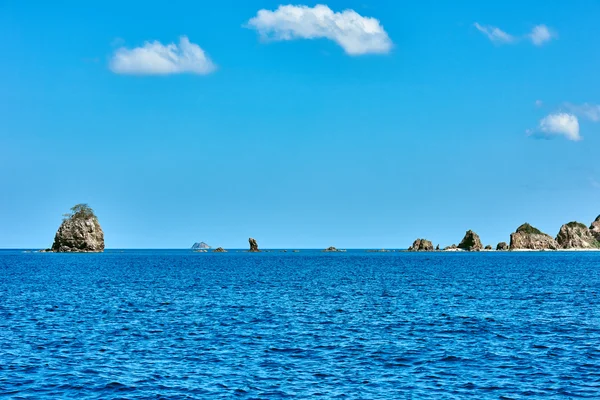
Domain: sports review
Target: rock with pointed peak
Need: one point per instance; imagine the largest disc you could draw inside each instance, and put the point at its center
(200, 246)
(471, 242)
(253, 246)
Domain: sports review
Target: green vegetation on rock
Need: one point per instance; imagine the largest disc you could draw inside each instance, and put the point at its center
(575, 224)
(80, 211)
(526, 228)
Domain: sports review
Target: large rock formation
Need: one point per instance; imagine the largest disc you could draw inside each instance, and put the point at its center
(529, 238)
(488, 247)
(471, 242)
(253, 246)
(502, 246)
(595, 228)
(576, 235)
(421, 245)
(219, 250)
(80, 232)
(330, 249)
(200, 246)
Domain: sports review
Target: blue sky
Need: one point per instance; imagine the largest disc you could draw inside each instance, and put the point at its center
(429, 119)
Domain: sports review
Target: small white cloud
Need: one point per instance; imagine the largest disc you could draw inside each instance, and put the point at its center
(154, 58)
(495, 34)
(356, 34)
(559, 124)
(585, 110)
(540, 34)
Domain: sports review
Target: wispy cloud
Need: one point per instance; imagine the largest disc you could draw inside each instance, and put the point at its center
(539, 35)
(154, 58)
(585, 110)
(356, 34)
(495, 34)
(558, 124)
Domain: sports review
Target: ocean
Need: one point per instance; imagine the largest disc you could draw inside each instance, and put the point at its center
(175, 324)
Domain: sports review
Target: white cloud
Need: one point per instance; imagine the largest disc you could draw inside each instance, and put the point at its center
(495, 34)
(354, 33)
(560, 124)
(540, 34)
(585, 110)
(154, 58)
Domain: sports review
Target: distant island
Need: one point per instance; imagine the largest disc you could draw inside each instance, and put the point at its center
(80, 232)
(571, 236)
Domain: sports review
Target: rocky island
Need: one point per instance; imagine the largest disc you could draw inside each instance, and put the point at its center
(421, 245)
(528, 237)
(576, 235)
(200, 246)
(80, 232)
(471, 242)
(253, 246)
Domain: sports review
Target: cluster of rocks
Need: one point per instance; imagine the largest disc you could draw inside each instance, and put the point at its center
(574, 235)
(332, 249)
(80, 231)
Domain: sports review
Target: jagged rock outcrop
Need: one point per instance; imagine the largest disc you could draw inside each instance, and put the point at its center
(200, 246)
(595, 228)
(219, 250)
(529, 238)
(437, 248)
(471, 242)
(80, 232)
(576, 235)
(451, 248)
(331, 249)
(253, 246)
(502, 246)
(421, 245)
(488, 247)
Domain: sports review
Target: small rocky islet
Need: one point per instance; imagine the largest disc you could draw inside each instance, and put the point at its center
(79, 232)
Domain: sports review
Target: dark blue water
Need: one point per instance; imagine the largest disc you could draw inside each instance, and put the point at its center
(182, 325)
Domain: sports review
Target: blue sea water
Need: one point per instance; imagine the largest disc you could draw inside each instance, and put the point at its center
(355, 325)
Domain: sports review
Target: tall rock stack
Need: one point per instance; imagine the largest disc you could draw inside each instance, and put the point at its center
(80, 232)
(471, 242)
(253, 246)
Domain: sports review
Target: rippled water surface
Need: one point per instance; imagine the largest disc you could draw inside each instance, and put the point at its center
(183, 325)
